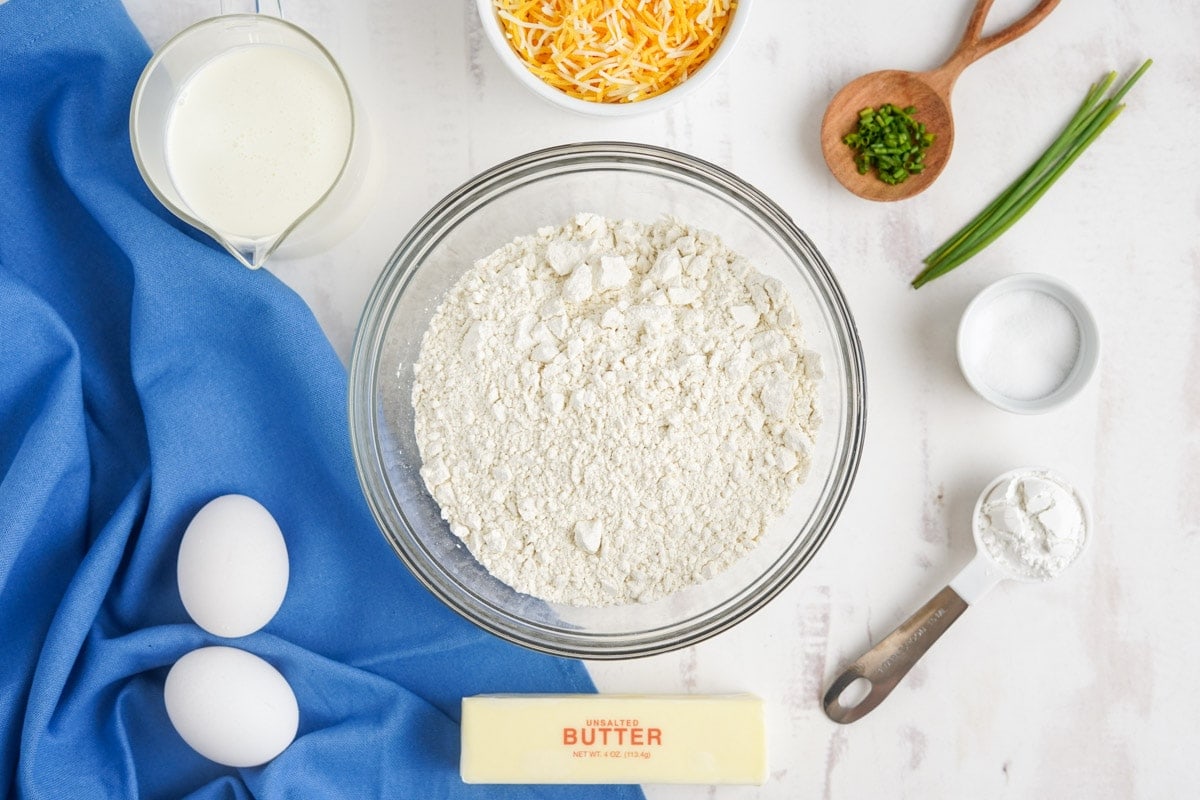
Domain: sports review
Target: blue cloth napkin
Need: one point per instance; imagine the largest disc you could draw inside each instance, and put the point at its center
(142, 373)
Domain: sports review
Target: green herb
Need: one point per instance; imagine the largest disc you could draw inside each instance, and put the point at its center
(890, 141)
(1094, 115)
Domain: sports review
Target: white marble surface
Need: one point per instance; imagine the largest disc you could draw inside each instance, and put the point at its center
(1079, 688)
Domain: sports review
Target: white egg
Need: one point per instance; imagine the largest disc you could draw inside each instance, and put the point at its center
(231, 706)
(233, 566)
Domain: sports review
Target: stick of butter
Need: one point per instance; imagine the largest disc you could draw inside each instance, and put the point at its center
(587, 738)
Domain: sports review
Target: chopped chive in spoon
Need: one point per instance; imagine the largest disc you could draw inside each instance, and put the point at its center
(890, 141)
(1094, 115)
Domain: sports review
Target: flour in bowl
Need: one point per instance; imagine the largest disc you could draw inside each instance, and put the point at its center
(610, 411)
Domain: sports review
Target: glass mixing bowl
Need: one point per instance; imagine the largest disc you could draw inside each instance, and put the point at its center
(622, 181)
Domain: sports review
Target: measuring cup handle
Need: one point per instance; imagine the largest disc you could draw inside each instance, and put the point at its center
(887, 662)
(974, 45)
(272, 7)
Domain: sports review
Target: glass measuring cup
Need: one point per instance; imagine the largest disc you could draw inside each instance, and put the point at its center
(863, 685)
(318, 224)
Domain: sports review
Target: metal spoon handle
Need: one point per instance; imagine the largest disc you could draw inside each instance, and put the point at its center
(887, 662)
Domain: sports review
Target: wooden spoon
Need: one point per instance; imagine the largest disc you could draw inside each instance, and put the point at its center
(929, 92)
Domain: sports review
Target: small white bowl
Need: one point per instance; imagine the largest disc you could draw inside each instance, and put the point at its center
(985, 336)
(495, 34)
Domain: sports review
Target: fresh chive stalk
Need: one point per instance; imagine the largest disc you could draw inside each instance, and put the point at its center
(1095, 113)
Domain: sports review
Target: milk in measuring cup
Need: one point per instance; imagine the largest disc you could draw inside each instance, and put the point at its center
(256, 137)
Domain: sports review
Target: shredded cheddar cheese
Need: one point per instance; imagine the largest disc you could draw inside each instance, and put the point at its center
(614, 51)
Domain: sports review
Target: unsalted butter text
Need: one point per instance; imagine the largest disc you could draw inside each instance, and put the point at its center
(590, 735)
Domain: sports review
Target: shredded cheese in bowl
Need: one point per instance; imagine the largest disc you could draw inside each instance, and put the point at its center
(614, 51)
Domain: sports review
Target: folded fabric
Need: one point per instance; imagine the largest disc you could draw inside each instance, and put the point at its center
(142, 373)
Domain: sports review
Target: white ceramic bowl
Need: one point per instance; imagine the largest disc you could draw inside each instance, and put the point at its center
(974, 327)
(495, 34)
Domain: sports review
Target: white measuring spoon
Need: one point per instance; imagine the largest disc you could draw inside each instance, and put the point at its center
(864, 684)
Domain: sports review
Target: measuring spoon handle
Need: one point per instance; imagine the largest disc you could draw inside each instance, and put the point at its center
(887, 662)
(974, 45)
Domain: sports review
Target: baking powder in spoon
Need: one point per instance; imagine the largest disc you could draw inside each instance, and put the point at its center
(1032, 524)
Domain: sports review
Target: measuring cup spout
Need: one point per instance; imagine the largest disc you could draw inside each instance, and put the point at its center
(252, 253)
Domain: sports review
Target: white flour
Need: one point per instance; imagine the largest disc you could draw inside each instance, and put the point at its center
(1033, 525)
(610, 411)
